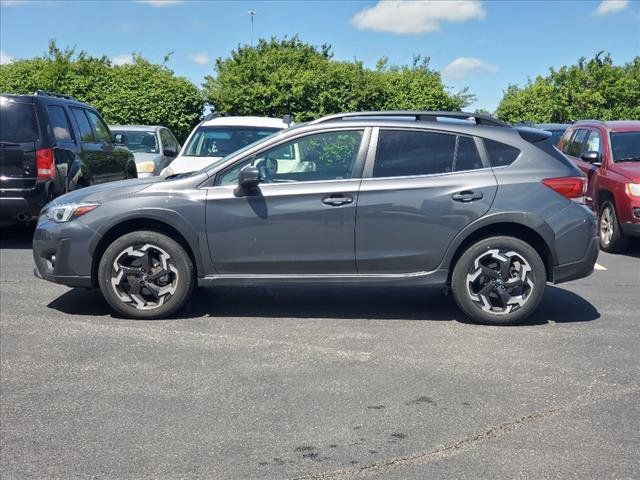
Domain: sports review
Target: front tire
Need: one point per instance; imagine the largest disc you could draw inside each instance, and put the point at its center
(146, 275)
(499, 281)
(612, 239)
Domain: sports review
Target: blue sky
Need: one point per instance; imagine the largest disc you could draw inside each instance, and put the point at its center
(483, 45)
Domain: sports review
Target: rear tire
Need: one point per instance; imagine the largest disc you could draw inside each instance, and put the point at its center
(499, 281)
(612, 239)
(146, 275)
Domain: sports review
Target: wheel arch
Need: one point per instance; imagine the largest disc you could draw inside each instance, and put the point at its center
(537, 234)
(133, 224)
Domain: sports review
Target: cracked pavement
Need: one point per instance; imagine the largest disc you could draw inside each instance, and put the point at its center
(318, 383)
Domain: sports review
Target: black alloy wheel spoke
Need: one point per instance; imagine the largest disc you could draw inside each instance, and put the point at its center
(505, 267)
(488, 288)
(488, 272)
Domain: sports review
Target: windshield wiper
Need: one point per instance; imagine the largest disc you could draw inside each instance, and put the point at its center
(179, 175)
(629, 159)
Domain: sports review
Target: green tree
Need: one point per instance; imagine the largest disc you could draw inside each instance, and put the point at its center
(276, 77)
(140, 92)
(594, 88)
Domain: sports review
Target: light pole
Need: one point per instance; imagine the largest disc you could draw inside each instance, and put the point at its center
(252, 13)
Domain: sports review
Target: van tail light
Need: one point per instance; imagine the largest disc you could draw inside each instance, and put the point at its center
(573, 188)
(45, 164)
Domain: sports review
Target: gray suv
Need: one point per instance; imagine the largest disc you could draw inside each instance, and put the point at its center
(452, 199)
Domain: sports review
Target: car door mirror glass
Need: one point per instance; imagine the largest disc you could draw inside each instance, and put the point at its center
(169, 153)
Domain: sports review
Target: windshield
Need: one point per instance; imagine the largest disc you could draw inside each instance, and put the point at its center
(139, 141)
(625, 146)
(221, 141)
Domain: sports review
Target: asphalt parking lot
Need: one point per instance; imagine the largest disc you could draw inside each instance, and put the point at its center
(326, 383)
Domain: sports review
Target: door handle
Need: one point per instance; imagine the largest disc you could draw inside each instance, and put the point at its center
(336, 200)
(467, 196)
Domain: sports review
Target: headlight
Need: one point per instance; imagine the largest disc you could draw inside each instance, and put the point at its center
(69, 211)
(167, 171)
(146, 167)
(633, 189)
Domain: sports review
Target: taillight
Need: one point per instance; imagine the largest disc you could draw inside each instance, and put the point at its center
(45, 164)
(568, 187)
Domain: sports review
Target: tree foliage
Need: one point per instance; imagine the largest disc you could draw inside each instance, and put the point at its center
(277, 77)
(594, 88)
(137, 93)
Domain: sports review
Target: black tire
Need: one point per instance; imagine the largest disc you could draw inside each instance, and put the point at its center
(612, 239)
(481, 296)
(138, 294)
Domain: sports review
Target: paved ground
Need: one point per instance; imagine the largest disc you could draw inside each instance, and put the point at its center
(332, 383)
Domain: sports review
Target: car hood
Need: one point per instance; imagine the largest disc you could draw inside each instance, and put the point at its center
(631, 170)
(191, 164)
(110, 190)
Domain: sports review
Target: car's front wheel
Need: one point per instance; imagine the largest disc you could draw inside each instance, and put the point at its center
(146, 275)
(499, 281)
(612, 239)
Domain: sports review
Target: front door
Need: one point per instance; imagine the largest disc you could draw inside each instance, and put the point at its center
(301, 219)
(422, 189)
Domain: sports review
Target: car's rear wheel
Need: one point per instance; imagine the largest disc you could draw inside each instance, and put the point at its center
(499, 281)
(612, 239)
(146, 275)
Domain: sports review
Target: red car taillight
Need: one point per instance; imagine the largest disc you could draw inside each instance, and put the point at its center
(45, 164)
(568, 187)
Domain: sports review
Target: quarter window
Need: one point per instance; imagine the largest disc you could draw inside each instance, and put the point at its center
(500, 154)
(60, 123)
(86, 134)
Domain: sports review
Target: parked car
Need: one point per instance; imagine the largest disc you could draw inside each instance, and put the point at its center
(556, 129)
(609, 155)
(217, 137)
(153, 146)
(366, 198)
(51, 144)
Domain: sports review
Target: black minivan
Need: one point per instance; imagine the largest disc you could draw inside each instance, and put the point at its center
(51, 144)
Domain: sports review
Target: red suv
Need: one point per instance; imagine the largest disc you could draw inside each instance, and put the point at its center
(609, 155)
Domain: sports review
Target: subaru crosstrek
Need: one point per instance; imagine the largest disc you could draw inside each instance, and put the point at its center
(416, 198)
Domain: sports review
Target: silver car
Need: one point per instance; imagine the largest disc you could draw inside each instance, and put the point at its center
(153, 146)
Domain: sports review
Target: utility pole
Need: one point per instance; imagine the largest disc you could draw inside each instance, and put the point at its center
(252, 13)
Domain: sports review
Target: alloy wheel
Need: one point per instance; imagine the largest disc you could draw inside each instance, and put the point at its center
(606, 226)
(500, 282)
(144, 276)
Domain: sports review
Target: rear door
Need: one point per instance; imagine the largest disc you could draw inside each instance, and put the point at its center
(421, 189)
(19, 137)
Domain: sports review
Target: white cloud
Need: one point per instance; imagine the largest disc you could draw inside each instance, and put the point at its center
(463, 67)
(122, 59)
(160, 3)
(412, 17)
(5, 58)
(201, 58)
(611, 6)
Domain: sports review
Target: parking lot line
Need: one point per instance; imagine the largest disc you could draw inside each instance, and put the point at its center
(597, 266)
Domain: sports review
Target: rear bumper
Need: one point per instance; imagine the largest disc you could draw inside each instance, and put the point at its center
(631, 229)
(579, 269)
(29, 202)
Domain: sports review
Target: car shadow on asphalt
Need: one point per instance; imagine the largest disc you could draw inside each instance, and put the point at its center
(373, 303)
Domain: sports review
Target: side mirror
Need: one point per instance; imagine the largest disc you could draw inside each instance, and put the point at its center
(248, 180)
(169, 153)
(120, 139)
(591, 157)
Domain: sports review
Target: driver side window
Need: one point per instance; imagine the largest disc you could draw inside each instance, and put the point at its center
(321, 156)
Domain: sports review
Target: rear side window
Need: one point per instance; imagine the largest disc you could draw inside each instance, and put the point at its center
(59, 123)
(500, 154)
(86, 134)
(402, 153)
(18, 122)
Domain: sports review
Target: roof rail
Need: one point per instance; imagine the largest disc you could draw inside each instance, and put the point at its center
(419, 116)
(53, 94)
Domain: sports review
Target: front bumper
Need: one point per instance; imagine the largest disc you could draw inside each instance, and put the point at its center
(579, 269)
(61, 252)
